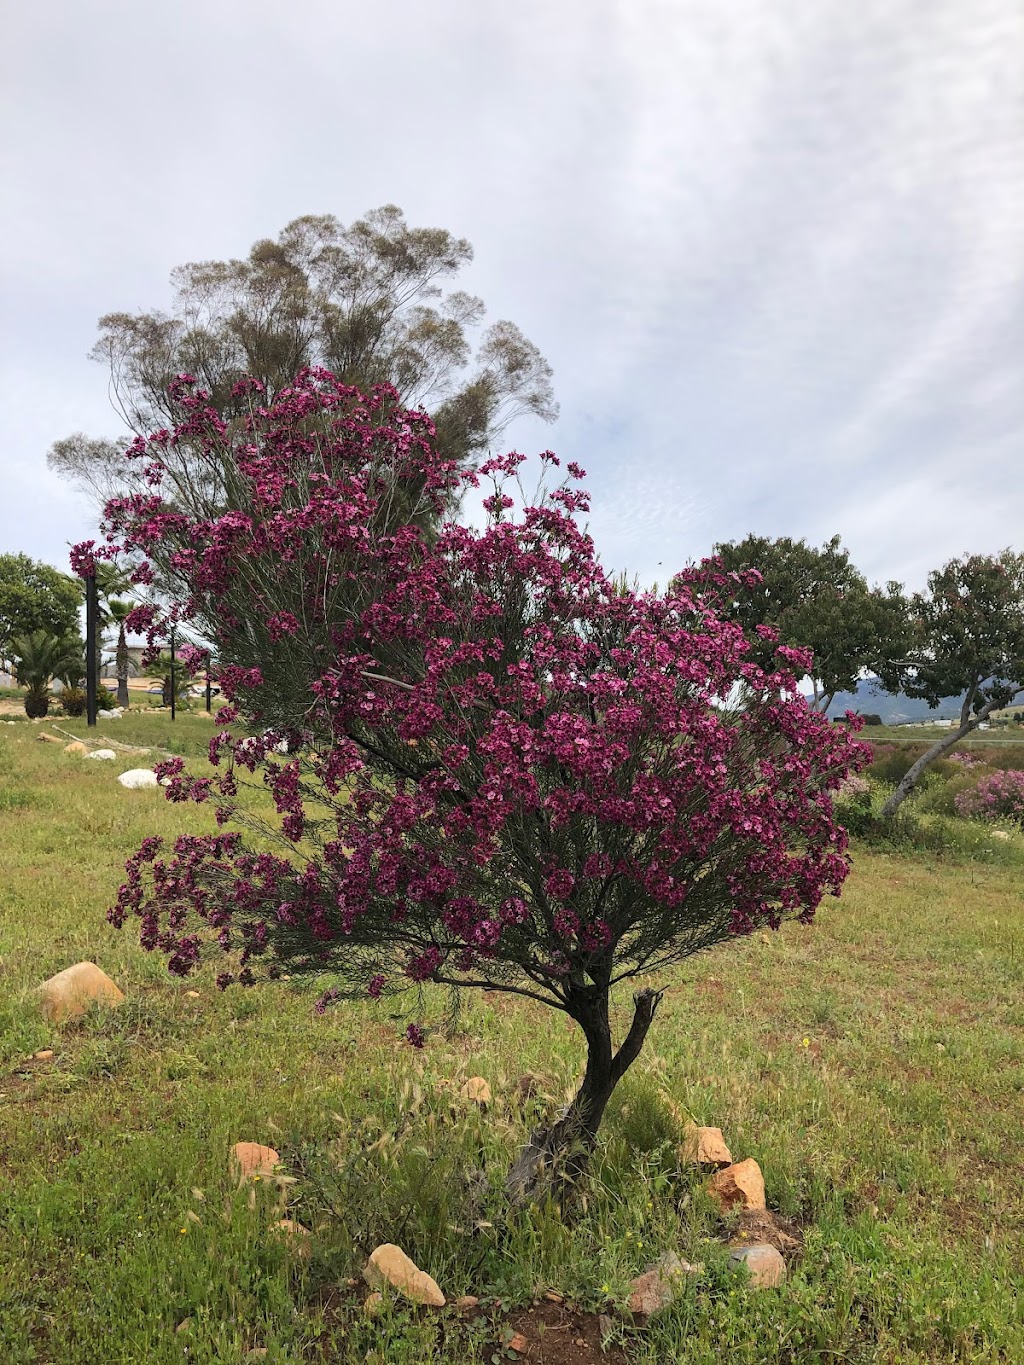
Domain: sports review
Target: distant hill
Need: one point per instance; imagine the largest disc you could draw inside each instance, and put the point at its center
(894, 708)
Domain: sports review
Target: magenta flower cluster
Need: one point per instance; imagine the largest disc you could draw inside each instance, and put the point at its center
(999, 795)
(490, 765)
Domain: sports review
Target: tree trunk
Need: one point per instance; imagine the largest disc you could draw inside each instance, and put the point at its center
(122, 668)
(554, 1158)
(941, 746)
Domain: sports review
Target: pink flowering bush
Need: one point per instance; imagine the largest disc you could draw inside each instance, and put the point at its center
(997, 796)
(499, 769)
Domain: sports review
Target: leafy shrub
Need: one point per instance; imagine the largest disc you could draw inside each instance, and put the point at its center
(73, 700)
(940, 798)
(998, 795)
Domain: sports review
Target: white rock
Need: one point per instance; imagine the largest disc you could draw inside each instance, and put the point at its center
(106, 715)
(136, 778)
(102, 753)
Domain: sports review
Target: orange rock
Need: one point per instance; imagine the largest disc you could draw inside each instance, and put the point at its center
(656, 1287)
(519, 1344)
(294, 1233)
(389, 1264)
(742, 1185)
(765, 1264)
(705, 1146)
(70, 993)
(47, 738)
(466, 1301)
(76, 747)
(252, 1161)
(477, 1090)
(44, 1055)
(373, 1304)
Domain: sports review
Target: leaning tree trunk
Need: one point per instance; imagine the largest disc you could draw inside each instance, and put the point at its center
(555, 1157)
(122, 668)
(940, 747)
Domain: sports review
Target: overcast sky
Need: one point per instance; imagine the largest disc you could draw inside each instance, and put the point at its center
(773, 249)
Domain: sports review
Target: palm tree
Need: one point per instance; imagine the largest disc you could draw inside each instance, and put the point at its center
(117, 611)
(39, 657)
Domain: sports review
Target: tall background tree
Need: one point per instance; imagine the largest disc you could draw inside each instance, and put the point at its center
(968, 641)
(814, 599)
(365, 301)
(35, 597)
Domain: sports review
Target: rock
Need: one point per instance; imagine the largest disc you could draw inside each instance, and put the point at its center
(477, 1090)
(527, 1086)
(108, 715)
(45, 738)
(192, 995)
(553, 1296)
(466, 1302)
(767, 1268)
(656, 1287)
(137, 778)
(294, 1234)
(75, 747)
(742, 1184)
(996, 833)
(105, 754)
(519, 1344)
(705, 1146)
(373, 1304)
(70, 993)
(252, 1161)
(605, 1325)
(184, 1325)
(390, 1265)
(44, 1055)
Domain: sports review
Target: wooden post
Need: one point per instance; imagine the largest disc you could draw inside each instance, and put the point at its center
(172, 675)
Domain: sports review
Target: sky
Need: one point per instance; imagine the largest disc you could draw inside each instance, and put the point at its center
(773, 249)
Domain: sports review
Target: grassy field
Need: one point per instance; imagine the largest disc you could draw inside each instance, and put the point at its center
(871, 1063)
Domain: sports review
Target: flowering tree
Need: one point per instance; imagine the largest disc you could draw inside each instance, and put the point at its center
(968, 642)
(492, 767)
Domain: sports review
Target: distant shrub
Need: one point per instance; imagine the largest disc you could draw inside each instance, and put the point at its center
(73, 700)
(965, 759)
(871, 718)
(940, 797)
(999, 795)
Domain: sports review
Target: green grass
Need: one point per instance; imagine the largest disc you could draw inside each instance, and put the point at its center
(872, 1063)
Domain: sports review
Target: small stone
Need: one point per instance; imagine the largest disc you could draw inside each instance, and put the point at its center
(192, 995)
(553, 1296)
(477, 1090)
(389, 1264)
(605, 1325)
(106, 755)
(294, 1233)
(70, 993)
(466, 1302)
(252, 1161)
(519, 1344)
(766, 1266)
(75, 747)
(373, 1304)
(46, 738)
(656, 1287)
(137, 778)
(44, 1055)
(184, 1325)
(741, 1184)
(705, 1146)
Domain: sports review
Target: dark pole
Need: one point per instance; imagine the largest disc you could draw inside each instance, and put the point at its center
(209, 695)
(91, 679)
(172, 674)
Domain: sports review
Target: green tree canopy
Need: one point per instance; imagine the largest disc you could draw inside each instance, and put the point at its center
(967, 641)
(35, 597)
(364, 301)
(816, 599)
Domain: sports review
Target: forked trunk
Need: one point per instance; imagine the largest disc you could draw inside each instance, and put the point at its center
(555, 1157)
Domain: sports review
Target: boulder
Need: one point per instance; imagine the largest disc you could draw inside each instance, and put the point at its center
(108, 715)
(656, 1287)
(766, 1266)
(477, 1090)
(106, 754)
(389, 1264)
(70, 993)
(705, 1146)
(137, 778)
(252, 1161)
(741, 1185)
(75, 747)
